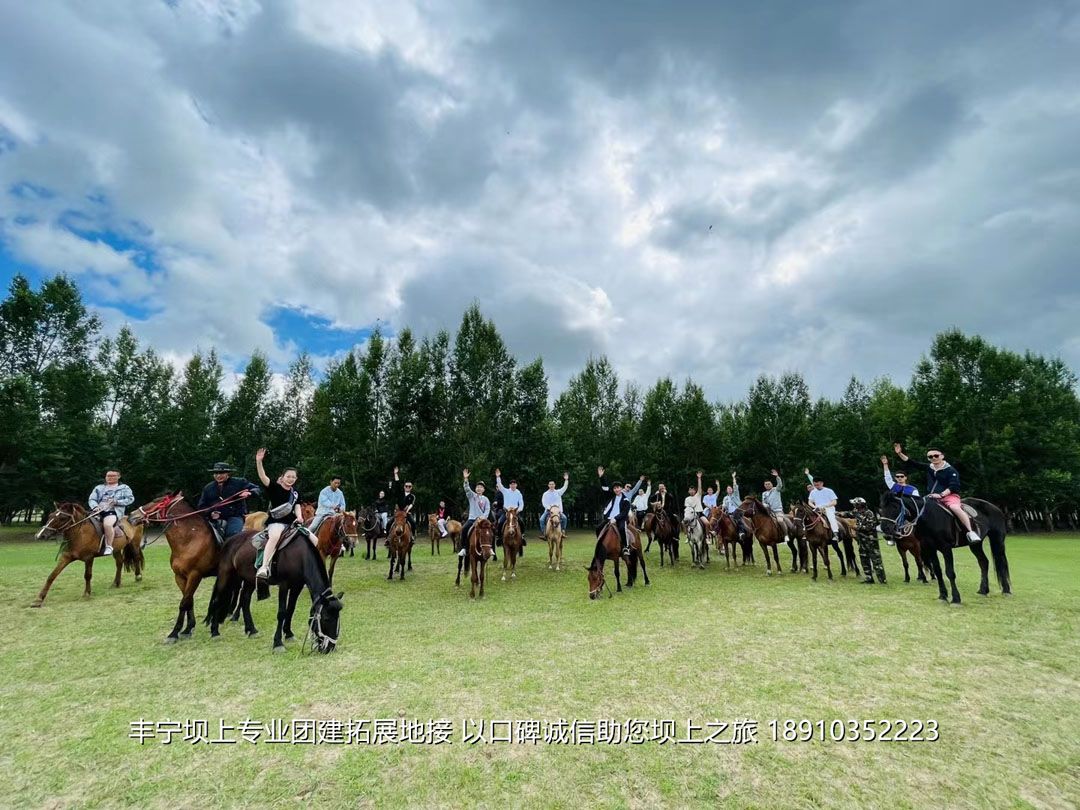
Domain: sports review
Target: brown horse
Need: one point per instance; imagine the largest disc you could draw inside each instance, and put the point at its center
(307, 513)
(765, 529)
(910, 545)
(400, 542)
(813, 526)
(553, 533)
(332, 535)
(481, 547)
(660, 527)
(727, 536)
(511, 543)
(83, 543)
(255, 521)
(193, 552)
(436, 535)
(847, 537)
(608, 546)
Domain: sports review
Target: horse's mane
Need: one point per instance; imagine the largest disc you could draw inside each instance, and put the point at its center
(600, 553)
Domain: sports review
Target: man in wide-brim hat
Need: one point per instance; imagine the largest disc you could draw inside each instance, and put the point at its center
(227, 487)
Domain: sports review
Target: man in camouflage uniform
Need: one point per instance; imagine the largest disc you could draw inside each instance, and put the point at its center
(866, 535)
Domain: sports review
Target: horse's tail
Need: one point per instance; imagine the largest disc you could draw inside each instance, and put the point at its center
(225, 594)
(131, 554)
(631, 567)
(996, 535)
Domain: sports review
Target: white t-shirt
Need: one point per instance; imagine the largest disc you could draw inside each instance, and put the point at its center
(822, 497)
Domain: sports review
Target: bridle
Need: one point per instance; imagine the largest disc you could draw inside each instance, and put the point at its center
(319, 639)
(905, 528)
(477, 547)
(58, 529)
(602, 584)
(800, 518)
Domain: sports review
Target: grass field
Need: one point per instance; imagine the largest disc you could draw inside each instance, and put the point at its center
(1001, 676)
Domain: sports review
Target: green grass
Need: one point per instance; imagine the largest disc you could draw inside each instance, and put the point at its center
(1000, 676)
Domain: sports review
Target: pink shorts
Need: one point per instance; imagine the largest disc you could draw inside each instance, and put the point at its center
(952, 499)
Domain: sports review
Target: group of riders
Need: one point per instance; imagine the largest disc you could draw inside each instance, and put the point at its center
(224, 499)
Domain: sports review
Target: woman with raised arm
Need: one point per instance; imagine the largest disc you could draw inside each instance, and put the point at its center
(284, 508)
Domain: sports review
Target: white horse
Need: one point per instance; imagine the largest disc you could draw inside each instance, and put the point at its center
(695, 536)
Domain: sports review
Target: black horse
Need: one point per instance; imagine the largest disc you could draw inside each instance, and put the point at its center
(369, 522)
(296, 566)
(938, 531)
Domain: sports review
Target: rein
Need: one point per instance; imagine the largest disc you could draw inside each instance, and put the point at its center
(168, 502)
(904, 528)
(320, 639)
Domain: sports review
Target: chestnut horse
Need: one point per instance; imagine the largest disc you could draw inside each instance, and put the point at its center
(911, 545)
(727, 536)
(400, 543)
(511, 543)
(81, 542)
(193, 552)
(609, 547)
(481, 546)
(332, 535)
(765, 529)
(554, 535)
(436, 536)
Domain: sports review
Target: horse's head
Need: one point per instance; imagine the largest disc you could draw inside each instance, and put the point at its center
(688, 514)
(63, 517)
(512, 517)
(433, 520)
(401, 523)
(482, 535)
(325, 621)
(596, 578)
(156, 509)
(898, 513)
(307, 512)
(751, 505)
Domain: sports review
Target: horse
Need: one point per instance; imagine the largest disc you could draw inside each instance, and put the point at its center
(255, 521)
(370, 524)
(83, 543)
(695, 537)
(193, 552)
(481, 546)
(797, 537)
(938, 531)
(436, 535)
(332, 535)
(296, 565)
(400, 543)
(815, 529)
(307, 513)
(511, 537)
(911, 545)
(765, 529)
(553, 533)
(609, 546)
(726, 534)
(659, 526)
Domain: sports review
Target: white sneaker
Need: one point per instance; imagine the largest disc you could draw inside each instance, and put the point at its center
(445, 534)
(263, 573)
(461, 553)
(973, 537)
(108, 551)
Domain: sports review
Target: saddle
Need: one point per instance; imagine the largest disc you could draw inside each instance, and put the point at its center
(217, 531)
(258, 541)
(99, 528)
(979, 523)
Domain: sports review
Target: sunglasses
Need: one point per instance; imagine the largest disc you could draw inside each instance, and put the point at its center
(901, 475)
(933, 455)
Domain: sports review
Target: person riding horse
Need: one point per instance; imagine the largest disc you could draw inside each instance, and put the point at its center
(732, 504)
(943, 481)
(617, 510)
(284, 509)
(405, 500)
(479, 507)
(665, 501)
(553, 498)
(331, 502)
(824, 500)
(227, 487)
(108, 501)
(511, 498)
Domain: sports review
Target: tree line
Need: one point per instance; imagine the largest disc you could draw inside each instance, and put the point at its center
(77, 402)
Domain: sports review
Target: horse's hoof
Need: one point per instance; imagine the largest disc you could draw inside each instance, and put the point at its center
(504, 577)
(943, 600)
(170, 639)
(216, 636)
(280, 649)
(290, 637)
(559, 569)
(36, 603)
(513, 576)
(768, 573)
(954, 604)
(1006, 593)
(234, 618)
(252, 634)
(138, 577)
(187, 636)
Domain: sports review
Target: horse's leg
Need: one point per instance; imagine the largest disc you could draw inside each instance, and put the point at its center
(460, 563)
(776, 556)
(118, 557)
(65, 560)
(330, 570)
(984, 567)
(294, 597)
(814, 554)
(935, 566)
(282, 604)
(840, 554)
(618, 584)
(390, 576)
(245, 603)
(920, 566)
(950, 572)
(506, 560)
(768, 561)
(87, 574)
(193, 581)
(641, 560)
(409, 558)
(903, 559)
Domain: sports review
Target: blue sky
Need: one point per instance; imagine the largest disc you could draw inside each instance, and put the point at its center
(702, 189)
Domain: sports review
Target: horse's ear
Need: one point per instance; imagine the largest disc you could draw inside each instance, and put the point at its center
(56, 505)
(587, 568)
(340, 595)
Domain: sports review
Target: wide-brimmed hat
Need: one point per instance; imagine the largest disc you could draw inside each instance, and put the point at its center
(220, 467)
(858, 501)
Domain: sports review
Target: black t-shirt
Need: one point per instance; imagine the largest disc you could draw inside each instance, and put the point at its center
(279, 495)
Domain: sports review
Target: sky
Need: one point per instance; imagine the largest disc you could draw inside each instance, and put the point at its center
(706, 189)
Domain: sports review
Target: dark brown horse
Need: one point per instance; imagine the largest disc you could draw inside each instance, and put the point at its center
(511, 543)
(369, 522)
(400, 543)
(659, 526)
(765, 529)
(847, 538)
(193, 552)
(609, 547)
(83, 544)
(814, 527)
(911, 545)
(297, 565)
